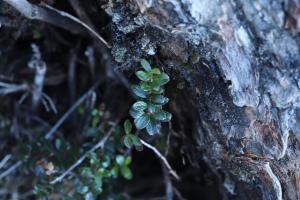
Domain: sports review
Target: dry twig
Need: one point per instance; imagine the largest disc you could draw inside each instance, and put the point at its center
(4, 160)
(100, 144)
(53, 16)
(70, 111)
(162, 158)
(10, 170)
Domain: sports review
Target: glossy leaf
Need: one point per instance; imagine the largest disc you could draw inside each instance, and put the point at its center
(152, 108)
(161, 79)
(145, 86)
(139, 106)
(142, 121)
(127, 141)
(139, 92)
(135, 113)
(160, 99)
(127, 126)
(98, 180)
(145, 64)
(163, 116)
(115, 171)
(158, 90)
(126, 172)
(58, 143)
(135, 140)
(120, 159)
(152, 127)
(128, 160)
(155, 71)
(143, 75)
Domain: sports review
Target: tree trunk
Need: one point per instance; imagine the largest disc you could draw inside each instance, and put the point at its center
(235, 68)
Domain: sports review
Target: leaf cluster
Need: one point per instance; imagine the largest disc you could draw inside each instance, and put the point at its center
(148, 111)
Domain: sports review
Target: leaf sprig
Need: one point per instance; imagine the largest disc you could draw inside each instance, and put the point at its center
(148, 110)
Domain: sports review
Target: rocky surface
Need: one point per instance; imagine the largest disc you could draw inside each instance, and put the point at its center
(239, 63)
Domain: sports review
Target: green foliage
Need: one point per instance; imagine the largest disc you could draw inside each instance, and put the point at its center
(101, 168)
(130, 140)
(147, 111)
(94, 176)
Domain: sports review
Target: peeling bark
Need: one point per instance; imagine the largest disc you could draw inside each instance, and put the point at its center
(240, 62)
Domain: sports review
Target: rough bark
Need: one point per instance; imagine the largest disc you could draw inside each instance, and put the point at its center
(239, 64)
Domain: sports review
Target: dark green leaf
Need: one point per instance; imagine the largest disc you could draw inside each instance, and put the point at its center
(135, 114)
(160, 99)
(94, 112)
(126, 172)
(128, 160)
(152, 127)
(106, 162)
(120, 159)
(57, 143)
(143, 75)
(161, 79)
(98, 180)
(127, 126)
(158, 90)
(145, 86)
(162, 116)
(139, 106)
(135, 140)
(151, 108)
(115, 171)
(155, 71)
(139, 92)
(127, 141)
(145, 65)
(142, 121)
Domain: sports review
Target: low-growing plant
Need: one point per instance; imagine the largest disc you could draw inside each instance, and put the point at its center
(94, 176)
(148, 111)
(95, 171)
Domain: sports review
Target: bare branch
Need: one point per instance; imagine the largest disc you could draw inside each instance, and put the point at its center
(53, 16)
(163, 159)
(10, 170)
(168, 183)
(36, 63)
(100, 144)
(70, 111)
(4, 160)
(7, 88)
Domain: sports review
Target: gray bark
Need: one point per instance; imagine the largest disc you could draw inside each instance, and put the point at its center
(239, 63)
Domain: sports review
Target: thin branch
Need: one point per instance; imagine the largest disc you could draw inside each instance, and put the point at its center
(5, 160)
(178, 194)
(7, 88)
(168, 183)
(70, 111)
(53, 16)
(100, 144)
(36, 63)
(163, 159)
(10, 170)
(50, 102)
